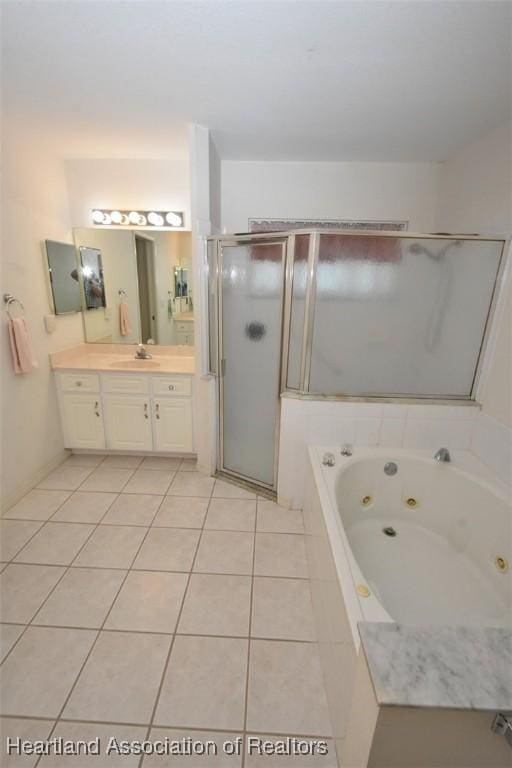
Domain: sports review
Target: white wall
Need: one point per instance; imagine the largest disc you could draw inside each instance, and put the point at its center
(205, 416)
(35, 208)
(475, 186)
(215, 188)
(128, 184)
(476, 196)
(404, 191)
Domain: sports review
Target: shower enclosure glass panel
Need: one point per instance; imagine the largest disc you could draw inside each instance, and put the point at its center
(251, 293)
(400, 316)
(298, 306)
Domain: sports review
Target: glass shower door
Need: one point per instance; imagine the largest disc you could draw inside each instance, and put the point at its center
(251, 307)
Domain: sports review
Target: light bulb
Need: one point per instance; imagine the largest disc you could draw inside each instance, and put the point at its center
(116, 217)
(134, 217)
(124, 219)
(141, 220)
(106, 219)
(97, 217)
(174, 219)
(155, 219)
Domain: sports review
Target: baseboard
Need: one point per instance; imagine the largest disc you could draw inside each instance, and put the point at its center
(18, 494)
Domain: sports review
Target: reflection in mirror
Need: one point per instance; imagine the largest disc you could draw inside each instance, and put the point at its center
(181, 282)
(145, 279)
(64, 278)
(92, 278)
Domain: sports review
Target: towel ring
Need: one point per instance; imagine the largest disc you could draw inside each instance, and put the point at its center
(10, 299)
(122, 293)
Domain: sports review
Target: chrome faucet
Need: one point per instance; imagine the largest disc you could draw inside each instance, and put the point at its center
(141, 353)
(443, 454)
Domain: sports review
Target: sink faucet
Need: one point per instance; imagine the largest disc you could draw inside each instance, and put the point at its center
(141, 352)
(443, 454)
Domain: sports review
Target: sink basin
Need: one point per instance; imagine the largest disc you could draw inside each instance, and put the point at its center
(135, 363)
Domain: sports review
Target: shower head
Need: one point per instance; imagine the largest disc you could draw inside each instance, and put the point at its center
(419, 248)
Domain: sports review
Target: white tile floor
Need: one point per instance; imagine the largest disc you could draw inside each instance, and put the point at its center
(141, 599)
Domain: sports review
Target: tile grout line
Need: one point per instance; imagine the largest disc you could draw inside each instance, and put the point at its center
(248, 662)
(93, 645)
(157, 570)
(178, 618)
(178, 727)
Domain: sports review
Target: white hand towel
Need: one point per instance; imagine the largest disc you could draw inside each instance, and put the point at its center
(23, 358)
(124, 319)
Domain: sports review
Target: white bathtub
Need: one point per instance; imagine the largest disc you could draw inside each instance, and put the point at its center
(451, 524)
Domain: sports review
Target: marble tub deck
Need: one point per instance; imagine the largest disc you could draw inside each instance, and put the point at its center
(442, 667)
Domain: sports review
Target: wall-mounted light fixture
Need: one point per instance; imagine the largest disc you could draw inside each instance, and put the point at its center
(137, 218)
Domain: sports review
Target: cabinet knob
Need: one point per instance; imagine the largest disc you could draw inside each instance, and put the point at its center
(78, 383)
(97, 409)
(157, 408)
(171, 387)
(146, 411)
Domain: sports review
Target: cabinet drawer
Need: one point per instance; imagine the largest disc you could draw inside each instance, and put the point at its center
(79, 382)
(187, 327)
(125, 383)
(172, 386)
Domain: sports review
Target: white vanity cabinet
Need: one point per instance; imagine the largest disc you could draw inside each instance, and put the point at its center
(172, 414)
(81, 410)
(128, 423)
(185, 332)
(83, 421)
(127, 411)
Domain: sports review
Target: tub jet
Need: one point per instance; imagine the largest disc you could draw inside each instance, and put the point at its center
(389, 531)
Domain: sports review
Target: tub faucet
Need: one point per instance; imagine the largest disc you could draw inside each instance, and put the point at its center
(346, 450)
(443, 454)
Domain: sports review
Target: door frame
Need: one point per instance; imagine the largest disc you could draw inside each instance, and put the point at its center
(149, 266)
(285, 308)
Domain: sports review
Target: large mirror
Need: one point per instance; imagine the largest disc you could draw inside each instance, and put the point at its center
(64, 277)
(136, 286)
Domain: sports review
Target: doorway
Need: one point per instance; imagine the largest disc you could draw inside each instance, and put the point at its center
(145, 253)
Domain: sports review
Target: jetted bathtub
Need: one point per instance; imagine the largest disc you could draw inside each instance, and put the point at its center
(429, 544)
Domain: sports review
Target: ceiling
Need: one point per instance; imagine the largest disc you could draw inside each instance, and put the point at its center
(294, 80)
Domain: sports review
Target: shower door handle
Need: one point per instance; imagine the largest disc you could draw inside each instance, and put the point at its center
(223, 366)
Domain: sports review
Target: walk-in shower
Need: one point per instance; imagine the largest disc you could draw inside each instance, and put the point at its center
(340, 314)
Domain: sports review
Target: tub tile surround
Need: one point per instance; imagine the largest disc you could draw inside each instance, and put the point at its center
(453, 667)
(391, 425)
(140, 593)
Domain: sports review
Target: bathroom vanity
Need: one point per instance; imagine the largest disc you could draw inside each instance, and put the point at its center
(109, 400)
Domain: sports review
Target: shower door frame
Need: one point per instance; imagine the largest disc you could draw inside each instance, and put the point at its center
(287, 238)
(287, 254)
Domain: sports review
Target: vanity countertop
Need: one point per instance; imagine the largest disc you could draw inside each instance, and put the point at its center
(443, 666)
(118, 358)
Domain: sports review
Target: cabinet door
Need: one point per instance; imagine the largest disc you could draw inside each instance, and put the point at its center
(173, 424)
(83, 421)
(128, 423)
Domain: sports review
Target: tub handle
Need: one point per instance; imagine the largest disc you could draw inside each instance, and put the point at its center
(346, 450)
